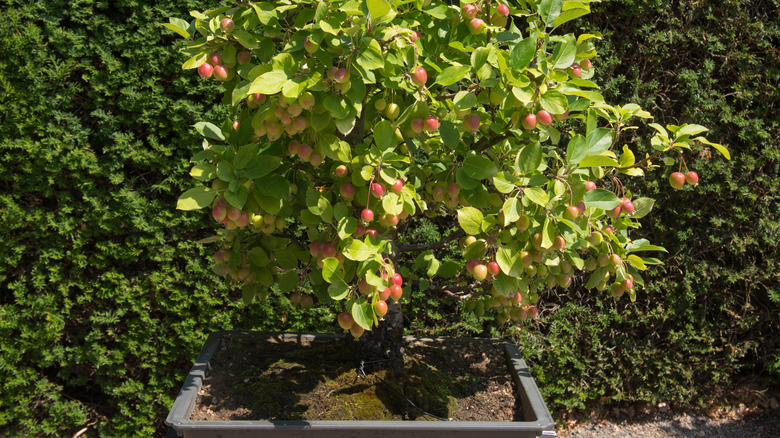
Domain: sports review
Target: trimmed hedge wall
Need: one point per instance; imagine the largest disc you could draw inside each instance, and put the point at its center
(712, 312)
(104, 297)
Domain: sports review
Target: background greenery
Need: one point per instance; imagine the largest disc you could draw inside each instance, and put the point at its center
(105, 299)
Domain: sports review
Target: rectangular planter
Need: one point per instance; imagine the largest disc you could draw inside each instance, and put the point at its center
(537, 420)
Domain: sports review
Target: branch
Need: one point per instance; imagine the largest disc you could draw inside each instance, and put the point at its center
(488, 142)
(418, 247)
(453, 291)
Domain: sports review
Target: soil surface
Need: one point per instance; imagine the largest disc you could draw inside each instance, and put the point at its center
(262, 378)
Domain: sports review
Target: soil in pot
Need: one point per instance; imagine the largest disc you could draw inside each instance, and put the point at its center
(274, 379)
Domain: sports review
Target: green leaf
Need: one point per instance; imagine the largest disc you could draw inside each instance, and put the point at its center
(209, 130)
(509, 261)
(571, 14)
(262, 165)
(548, 232)
(453, 74)
(285, 258)
(522, 54)
(359, 251)
(378, 9)
(596, 278)
(332, 270)
(270, 82)
(627, 158)
(204, 171)
(449, 134)
(643, 245)
(362, 312)
(598, 161)
(338, 290)
(347, 227)
(529, 159)
(597, 141)
(600, 198)
(179, 26)
(720, 148)
(636, 262)
(245, 155)
(479, 167)
(554, 101)
(513, 208)
(258, 256)
(370, 56)
(479, 57)
(464, 100)
(196, 61)
(549, 10)
(470, 219)
(384, 135)
(196, 198)
(642, 207)
(237, 198)
(288, 282)
(537, 195)
(245, 39)
(564, 53)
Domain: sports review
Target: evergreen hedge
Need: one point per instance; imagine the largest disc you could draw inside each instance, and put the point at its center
(104, 297)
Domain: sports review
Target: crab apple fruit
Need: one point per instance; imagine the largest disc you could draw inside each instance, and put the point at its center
(292, 147)
(356, 331)
(559, 243)
(219, 211)
(614, 213)
(380, 308)
(243, 219)
(227, 25)
(243, 57)
(340, 171)
(305, 152)
(480, 272)
(419, 76)
(396, 292)
(628, 284)
(306, 100)
(205, 70)
(469, 11)
(529, 121)
(493, 268)
(595, 238)
(544, 118)
(585, 64)
(221, 73)
(617, 290)
(692, 178)
(626, 206)
(310, 46)
(367, 215)
(315, 248)
(341, 75)
(372, 233)
(214, 59)
(453, 190)
(233, 212)
(571, 212)
(471, 264)
(576, 70)
(523, 223)
(476, 26)
(677, 180)
(397, 186)
(503, 9)
(417, 126)
(397, 279)
(589, 185)
(431, 123)
(363, 287)
(328, 250)
(385, 294)
(471, 122)
(392, 111)
(378, 190)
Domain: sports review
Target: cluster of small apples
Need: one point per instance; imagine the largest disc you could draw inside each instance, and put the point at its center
(229, 215)
(286, 116)
(601, 258)
(305, 153)
(378, 191)
(321, 250)
(481, 271)
(390, 110)
(221, 64)
(677, 179)
(243, 271)
(338, 79)
(444, 192)
(475, 17)
(268, 223)
(516, 308)
(394, 291)
(576, 69)
(301, 301)
(347, 322)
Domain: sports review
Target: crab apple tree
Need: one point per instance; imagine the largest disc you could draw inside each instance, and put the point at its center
(353, 128)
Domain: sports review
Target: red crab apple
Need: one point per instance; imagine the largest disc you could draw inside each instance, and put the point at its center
(419, 76)
(493, 268)
(371, 232)
(480, 272)
(469, 11)
(589, 185)
(396, 292)
(205, 70)
(626, 206)
(576, 70)
(585, 64)
(431, 123)
(417, 125)
(227, 25)
(476, 26)
(471, 264)
(397, 186)
(305, 152)
(571, 212)
(243, 57)
(310, 46)
(221, 73)
(367, 215)
(385, 294)
(357, 331)
(529, 121)
(340, 171)
(380, 308)
(503, 9)
(692, 178)
(677, 180)
(215, 59)
(397, 279)
(471, 122)
(341, 76)
(544, 118)
(345, 320)
(378, 190)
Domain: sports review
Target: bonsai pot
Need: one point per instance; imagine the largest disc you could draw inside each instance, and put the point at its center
(531, 420)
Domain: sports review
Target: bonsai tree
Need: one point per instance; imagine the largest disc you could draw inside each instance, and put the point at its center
(352, 120)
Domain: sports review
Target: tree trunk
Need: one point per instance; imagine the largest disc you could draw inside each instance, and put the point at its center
(382, 347)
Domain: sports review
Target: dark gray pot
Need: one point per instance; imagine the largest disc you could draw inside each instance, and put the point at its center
(538, 421)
